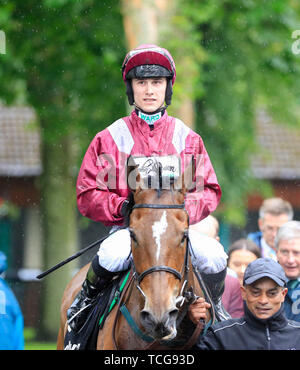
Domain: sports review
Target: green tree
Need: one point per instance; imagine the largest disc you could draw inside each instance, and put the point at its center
(240, 52)
(63, 58)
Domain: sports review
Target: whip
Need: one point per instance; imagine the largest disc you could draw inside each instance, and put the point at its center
(71, 258)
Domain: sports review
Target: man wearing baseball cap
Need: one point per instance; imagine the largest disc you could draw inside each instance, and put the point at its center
(264, 325)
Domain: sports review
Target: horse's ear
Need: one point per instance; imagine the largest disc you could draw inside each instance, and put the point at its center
(133, 175)
(186, 181)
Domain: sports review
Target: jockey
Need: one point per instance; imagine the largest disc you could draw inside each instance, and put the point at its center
(102, 190)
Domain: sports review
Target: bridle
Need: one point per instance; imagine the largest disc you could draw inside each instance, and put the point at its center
(185, 295)
(180, 276)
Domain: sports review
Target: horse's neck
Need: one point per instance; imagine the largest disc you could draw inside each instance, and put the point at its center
(133, 301)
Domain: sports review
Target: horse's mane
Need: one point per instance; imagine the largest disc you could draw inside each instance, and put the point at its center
(130, 204)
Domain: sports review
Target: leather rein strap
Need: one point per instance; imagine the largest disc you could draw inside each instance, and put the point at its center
(159, 206)
(123, 294)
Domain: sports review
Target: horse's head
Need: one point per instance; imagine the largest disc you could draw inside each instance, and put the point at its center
(159, 228)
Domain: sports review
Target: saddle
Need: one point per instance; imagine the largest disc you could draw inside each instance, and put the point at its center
(86, 337)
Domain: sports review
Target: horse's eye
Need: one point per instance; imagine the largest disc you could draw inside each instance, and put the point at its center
(132, 235)
(184, 236)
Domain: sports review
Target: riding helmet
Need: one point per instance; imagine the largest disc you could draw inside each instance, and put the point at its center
(148, 61)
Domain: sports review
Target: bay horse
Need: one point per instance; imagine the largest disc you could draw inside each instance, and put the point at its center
(162, 281)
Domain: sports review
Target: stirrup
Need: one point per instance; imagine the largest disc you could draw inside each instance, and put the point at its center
(79, 309)
(77, 313)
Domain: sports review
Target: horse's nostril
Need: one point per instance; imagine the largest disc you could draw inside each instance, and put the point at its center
(173, 313)
(161, 330)
(170, 317)
(147, 317)
(162, 326)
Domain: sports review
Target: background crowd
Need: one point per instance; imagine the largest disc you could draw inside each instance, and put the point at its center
(278, 237)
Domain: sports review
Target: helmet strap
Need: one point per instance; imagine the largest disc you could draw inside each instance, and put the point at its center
(129, 92)
(169, 92)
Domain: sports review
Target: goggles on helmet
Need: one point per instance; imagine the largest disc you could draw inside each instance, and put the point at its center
(149, 61)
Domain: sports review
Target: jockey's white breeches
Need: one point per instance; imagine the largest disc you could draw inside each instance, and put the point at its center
(207, 254)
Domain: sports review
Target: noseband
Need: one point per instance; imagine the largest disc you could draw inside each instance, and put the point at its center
(177, 274)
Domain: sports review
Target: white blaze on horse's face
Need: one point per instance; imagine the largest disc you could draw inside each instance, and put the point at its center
(158, 228)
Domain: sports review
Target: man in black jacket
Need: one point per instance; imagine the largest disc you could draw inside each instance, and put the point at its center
(264, 325)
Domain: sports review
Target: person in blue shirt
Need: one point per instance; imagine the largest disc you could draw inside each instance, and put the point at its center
(11, 318)
(287, 243)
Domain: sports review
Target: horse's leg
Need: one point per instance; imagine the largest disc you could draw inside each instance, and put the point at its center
(60, 339)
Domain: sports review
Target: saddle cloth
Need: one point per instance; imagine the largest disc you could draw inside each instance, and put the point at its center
(85, 338)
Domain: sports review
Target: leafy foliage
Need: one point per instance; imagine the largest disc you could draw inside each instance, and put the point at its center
(63, 57)
(241, 51)
(68, 55)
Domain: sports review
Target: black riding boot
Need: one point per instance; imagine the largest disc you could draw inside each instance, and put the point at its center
(97, 278)
(216, 285)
